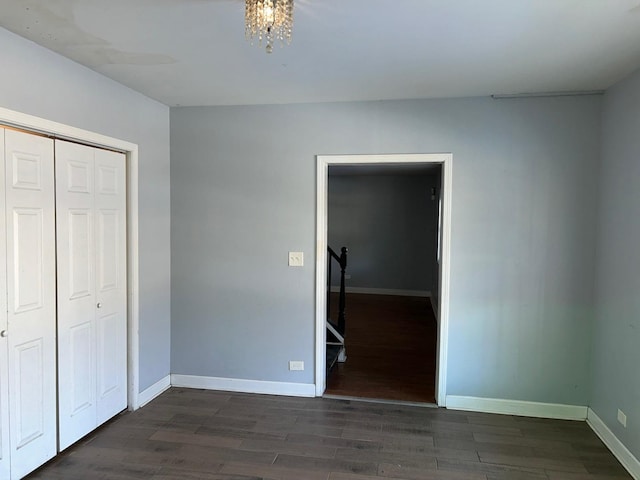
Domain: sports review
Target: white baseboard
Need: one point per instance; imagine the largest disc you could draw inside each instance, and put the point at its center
(384, 291)
(516, 407)
(626, 458)
(153, 391)
(244, 386)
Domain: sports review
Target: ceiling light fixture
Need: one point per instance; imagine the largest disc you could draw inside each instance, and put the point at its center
(268, 19)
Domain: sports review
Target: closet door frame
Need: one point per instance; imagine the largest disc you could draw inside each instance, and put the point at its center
(10, 118)
(5, 451)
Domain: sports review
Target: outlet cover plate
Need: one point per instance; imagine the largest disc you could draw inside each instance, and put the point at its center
(296, 365)
(622, 418)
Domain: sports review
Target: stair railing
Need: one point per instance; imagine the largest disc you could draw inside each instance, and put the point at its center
(335, 347)
(342, 262)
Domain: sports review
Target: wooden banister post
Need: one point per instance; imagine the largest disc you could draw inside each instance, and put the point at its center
(342, 302)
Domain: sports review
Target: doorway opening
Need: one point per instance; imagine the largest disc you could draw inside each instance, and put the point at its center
(395, 334)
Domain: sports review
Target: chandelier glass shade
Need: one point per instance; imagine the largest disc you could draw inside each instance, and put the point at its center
(270, 20)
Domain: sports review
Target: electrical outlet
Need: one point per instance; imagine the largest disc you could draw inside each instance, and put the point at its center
(347, 276)
(296, 365)
(622, 418)
(296, 259)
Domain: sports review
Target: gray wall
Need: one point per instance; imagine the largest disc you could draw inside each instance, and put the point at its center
(390, 225)
(524, 176)
(616, 350)
(38, 82)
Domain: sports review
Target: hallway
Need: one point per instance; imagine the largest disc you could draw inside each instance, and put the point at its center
(391, 349)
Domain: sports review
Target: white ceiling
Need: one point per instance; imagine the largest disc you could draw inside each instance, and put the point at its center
(193, 52)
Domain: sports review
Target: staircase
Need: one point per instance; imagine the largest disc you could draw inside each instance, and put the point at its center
(336, 351)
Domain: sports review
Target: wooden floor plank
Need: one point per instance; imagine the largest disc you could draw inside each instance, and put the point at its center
(274, 472)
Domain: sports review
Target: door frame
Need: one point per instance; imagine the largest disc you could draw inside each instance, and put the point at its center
(322, 182)
(11, 118)
(5, 465)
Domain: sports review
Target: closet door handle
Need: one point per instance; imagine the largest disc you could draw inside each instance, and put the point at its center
(99, 305)
(4, 333)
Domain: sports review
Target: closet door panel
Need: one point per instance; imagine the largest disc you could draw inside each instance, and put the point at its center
(29, 182)
(5, 463)
(111, 321)
(76, 291)
(92, 324)
(29, 374)
(28, 226)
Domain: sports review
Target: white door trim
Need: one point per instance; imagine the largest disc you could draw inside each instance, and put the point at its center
(59, 130)
(323, 162)
(5, 452)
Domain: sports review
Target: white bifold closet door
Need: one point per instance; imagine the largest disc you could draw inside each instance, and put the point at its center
(92, 304)
(30, 335)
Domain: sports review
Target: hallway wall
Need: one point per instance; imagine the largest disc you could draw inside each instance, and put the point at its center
(390, 225)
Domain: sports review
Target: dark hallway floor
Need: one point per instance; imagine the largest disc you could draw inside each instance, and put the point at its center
(391, 349)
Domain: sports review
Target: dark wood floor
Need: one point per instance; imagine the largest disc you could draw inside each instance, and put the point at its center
(391, 349)
(197, 434)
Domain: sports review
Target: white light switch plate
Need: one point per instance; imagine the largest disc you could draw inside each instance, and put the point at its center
(296, 259)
